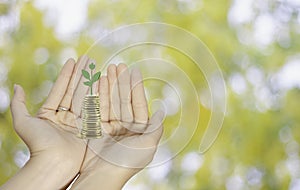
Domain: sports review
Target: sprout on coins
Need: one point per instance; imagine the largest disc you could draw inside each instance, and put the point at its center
(90, 77)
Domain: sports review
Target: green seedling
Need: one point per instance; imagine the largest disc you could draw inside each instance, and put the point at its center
(90, 77)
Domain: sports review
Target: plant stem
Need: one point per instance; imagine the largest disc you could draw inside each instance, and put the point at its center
(91, 82)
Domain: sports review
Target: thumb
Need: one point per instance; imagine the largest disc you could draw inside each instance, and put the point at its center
(155, 129)
(18, 107)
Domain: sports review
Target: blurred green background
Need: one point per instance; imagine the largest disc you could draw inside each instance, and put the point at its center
(256, 44)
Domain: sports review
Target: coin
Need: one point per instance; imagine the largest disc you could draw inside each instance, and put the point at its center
(91, 118)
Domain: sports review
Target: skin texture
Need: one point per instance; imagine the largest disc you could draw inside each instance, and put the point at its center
(51, 157)
(58, 156)
(129, 135)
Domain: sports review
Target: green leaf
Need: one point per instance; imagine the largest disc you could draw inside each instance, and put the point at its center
(92, 66)
(96, 76)
(88, 83)
(86, 74)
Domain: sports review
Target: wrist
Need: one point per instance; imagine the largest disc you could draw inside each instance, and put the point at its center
(40, 173)
(106, 176)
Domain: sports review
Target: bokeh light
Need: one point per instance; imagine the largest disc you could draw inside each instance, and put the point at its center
(256, 44)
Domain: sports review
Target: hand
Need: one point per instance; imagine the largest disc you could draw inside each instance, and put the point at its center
(56, 153)
(129, 140)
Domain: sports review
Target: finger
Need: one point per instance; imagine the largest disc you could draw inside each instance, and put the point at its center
(104, 98)
(125, 93)
(134, 127)
(18, 107)
(155, 128)
(139, 102)
(22, 119)
(67, 119)
(96, 87)
(114, 128)
(76, 75)
(60, 86)
(81, 90)
(114, 100)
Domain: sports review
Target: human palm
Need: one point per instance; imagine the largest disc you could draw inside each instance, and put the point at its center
(129, 139)
(50, 134)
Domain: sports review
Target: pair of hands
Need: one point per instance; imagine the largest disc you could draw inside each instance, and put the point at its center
(58, 156)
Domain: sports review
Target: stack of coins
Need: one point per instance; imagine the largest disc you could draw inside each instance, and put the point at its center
(91, 119)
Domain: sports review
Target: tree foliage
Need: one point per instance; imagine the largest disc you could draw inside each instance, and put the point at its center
(258, 147)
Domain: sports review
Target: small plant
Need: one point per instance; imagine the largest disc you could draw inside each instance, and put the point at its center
(90, 77)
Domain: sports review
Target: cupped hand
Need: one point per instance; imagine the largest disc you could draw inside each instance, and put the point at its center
(51, 134)
(129, 139)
